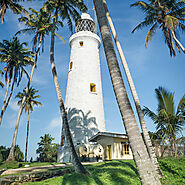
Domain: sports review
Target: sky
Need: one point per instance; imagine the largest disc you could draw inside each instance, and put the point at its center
(150, 68)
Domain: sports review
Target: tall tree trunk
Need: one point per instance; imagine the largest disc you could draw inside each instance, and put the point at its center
(26, 149)
(5, 97)
(11, 154)
(143, 163)
(2, 12)
(75, 160)
(147, 139)
(10, 95)
(177, 41)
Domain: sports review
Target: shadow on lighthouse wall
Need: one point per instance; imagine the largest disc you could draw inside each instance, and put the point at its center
(82, 125)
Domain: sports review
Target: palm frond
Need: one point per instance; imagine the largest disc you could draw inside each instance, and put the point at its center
(150, 34)
(181, 104)
(149, 113)
(60, 37)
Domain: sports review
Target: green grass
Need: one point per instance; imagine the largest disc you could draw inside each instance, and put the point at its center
(174, 170)
(15, 164)
(119, 173)
(109, 173)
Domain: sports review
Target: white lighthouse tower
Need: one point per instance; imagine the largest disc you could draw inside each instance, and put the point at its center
(84, 101)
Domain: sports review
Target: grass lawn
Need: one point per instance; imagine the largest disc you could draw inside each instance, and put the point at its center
(15, 164)
(120, 173)
(174, 170)
(109, 173)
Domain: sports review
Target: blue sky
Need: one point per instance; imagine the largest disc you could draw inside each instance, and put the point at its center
(150, 68)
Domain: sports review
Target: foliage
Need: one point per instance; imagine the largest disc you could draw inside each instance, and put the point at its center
(166, 15)
(30, 101)
(10, 4)
(19, 156)
(47, 150)
(66, 10)
(15, 56)
(173, 170)
(37, 23)
(1, 84)
(5, 151)
(169, 122)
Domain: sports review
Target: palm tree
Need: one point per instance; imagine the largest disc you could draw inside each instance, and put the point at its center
(66, 9)
(168, 121)
(166, 15)
(16, 57)
(10, 4)
(29, 103)
(146, 136)
(37, 22)
(143, 163)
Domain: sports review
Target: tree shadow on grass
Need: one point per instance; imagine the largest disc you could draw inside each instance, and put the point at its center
(118, 172)
(165, 167)
(131, 166)
(76, 179)
(113, 173)
(116, 175)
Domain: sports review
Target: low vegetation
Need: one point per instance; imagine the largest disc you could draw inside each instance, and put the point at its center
(174, 170)
(15, 164)
(120, 172)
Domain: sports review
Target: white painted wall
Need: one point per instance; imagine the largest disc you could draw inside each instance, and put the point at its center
(85, 70)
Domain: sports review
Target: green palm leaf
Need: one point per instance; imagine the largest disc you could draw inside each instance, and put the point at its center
(169, 16)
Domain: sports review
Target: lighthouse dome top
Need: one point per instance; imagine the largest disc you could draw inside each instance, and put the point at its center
(86, 16)
(85, 23)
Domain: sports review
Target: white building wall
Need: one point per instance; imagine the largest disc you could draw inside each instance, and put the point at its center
(85, 70)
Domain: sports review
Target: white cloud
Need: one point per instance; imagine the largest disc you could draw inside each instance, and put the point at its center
(39, 80)
(10, 120)
(137, 57)
(21, 26)
(55, 123)
(13, 105)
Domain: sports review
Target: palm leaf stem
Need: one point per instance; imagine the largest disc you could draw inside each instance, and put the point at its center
(176, 40)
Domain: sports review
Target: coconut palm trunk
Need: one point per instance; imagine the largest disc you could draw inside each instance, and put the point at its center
(75, 160)
(2, 13)
(5, 97)
(10, 95)
(26, 149)
(11, 154)
(177, 41)
(147, 139)
(143, 163)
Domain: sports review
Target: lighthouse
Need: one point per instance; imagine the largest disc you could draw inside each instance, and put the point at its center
(84, 99)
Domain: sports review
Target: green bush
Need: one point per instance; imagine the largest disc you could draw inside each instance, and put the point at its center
(19, 156)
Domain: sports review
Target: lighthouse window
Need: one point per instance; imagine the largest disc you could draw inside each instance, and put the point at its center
(81, 43)
(70, 65)
(93, 87)
(62, 140)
